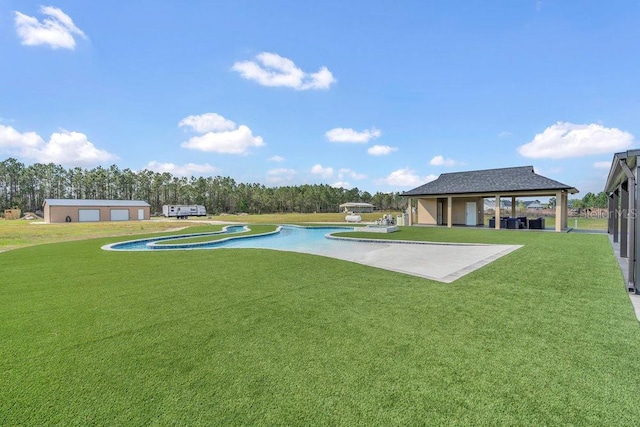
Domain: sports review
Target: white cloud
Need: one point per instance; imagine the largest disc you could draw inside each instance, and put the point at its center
(565, 139)
(276, 159)
(441, 161)
(602, 165)
(64, 147)
(405, 178)
(208, 122)
(322, 171)
(341, 184)
(350, 135)
(271, 69)
(345, 172)
(221, 135)
(381, 150)
(11, 138)
(329, 172)
(280, 176)
(189, 169)
(504, 134)
(56, 30)
(550, 171)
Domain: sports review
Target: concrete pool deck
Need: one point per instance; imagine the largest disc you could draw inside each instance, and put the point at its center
(442, 262)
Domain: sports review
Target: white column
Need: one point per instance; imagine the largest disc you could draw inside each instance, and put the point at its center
(449, 211)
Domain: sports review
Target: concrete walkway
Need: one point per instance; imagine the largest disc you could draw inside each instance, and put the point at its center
(436, 261)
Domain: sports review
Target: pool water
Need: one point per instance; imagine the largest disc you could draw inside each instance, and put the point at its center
(289, 238)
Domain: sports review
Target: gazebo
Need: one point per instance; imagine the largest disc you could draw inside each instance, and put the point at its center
(458, 198)
(356, 207)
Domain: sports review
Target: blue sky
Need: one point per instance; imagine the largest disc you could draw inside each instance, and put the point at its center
(378, 95)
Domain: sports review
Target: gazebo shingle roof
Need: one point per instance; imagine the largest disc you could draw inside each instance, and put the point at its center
(521, 178)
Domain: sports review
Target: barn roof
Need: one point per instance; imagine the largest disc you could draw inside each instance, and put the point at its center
(95, 202)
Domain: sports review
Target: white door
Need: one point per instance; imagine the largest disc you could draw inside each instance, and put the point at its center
(140, 214)
(88, 215)
(472, 218)
(119, 214)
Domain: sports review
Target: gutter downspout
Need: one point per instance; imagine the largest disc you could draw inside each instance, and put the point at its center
(631, 249)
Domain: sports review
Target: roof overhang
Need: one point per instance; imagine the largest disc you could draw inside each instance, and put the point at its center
(616, 173)
(522, 193)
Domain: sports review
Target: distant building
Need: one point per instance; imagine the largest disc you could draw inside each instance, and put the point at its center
(357, 207)
(12, 213)
(78, 210)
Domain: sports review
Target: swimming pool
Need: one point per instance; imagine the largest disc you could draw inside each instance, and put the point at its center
(286, 237)
(444, 262)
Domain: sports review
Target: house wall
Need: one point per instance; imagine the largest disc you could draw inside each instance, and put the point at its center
(427, 211)
(57, 214)
(459, 214)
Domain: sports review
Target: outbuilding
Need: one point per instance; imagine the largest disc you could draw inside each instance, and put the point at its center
(356, 207)
(458, 198)
(83, 210)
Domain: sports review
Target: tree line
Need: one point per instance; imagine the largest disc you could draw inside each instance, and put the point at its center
(27, 186)
(591, 200)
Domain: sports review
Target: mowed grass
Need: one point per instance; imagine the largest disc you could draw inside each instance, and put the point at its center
(254, 229)
(20, 233)
(543, 336)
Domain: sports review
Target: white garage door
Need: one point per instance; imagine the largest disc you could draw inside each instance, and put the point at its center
(119, 214)
(85, 215)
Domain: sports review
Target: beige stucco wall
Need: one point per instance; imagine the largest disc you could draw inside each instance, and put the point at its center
(460, 210)
(427, 211)
(60, 213)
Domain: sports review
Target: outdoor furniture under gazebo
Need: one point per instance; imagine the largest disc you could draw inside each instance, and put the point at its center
(536, 224)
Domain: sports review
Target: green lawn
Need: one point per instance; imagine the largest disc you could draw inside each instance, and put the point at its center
(19, 233)
(543, 336)
(255, 229)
